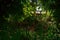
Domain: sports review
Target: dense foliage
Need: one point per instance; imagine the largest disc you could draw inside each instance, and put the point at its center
(18, 20)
